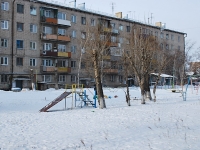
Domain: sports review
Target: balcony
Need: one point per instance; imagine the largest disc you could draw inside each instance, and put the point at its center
(106, 57)
(112, 44)
(110, 71)
(55, 37)
(47, 20)
(64, 38)
(64, 22)
(49, 36)
(106, 29)
(115, 31)
(56, 54)
(48, 69)
(64, 69)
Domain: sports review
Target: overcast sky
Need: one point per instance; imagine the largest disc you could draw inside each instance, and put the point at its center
(182, 15)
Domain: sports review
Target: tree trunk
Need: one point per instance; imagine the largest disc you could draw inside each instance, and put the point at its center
(154, 88)
(99, 89)
(147, 88)
(142, 87)
(127, 95)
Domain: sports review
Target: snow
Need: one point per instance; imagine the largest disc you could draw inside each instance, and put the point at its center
(169, 123)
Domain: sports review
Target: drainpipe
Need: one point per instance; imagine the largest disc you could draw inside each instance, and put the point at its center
(12, 47)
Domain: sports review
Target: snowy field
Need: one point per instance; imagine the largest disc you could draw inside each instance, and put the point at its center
(168, 124)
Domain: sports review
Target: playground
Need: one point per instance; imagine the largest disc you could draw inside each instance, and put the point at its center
(168, 123)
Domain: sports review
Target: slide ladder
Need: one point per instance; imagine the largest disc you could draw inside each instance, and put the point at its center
(55, 101)
(85, 99)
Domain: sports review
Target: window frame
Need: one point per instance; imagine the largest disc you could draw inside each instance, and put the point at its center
(19, 61)
(4, 78)
(34, 28)
(44, 77)
(73, 64)
(3, 6)
(31, 12)
(33, 62)
(83, 20)
(4, 60)
(4, 41)
(31, 45)
(73, 18)
(63, 15)
(62, 78)
(18, 7)
(22, 42)
(4, 24)
(20, 26)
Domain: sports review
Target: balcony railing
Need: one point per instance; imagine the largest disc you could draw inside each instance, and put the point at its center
(112, 44)
(49, 20)
(110, 71)
(64, 69)
(54, 37)
(64, 22)
(106, 57)
(56, 54)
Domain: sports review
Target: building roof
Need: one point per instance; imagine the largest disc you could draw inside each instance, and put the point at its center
(83, 9)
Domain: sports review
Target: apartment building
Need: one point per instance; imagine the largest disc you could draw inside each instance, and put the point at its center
(40, 43)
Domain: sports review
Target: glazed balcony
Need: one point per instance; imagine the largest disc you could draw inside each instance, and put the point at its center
(64, 69)
(110, 71)
(56, 54)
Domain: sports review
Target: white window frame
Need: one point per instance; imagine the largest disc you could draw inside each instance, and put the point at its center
(4, 61)
(4, 24)
(61, 48)
(33, 45)
(61, 15)
(5, 6)
(121, 27)
(93, 23)
(33, 28)
(73, 64)
(73, 49)
(4, 43)
(47, 46)
(62, 63)
(62, 78)
(33, 11)
(47, 62)
(73, 78)
(74, 33)
(33, 62)
(46, 78)
(73, 18)
(48, 13)
(61, 31)
(47, 30)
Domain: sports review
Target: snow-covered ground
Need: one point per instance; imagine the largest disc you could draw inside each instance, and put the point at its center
(169, 123)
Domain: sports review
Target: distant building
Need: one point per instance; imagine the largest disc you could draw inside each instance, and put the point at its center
(39, 43)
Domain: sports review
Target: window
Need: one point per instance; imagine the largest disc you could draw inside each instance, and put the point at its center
(113, 38)
(19, 61)
(179, 38)
(47, 46)
(161, 45)
(4, 78)
(61, 31)
(47, 30)
(20, 44)
(167, 36)
(61, 15)
(161, 35)
(156, 33)
(121, 27)
(112, 25)
(62, 78)
(73, 18)
(61, 48)
(4, 24)
(4, 43)
(48, 14)
(74, 34)
(172, 37)
(46, 78)
(33, 28)
(73, 49)
(112, 78)
(92, 22)
(47, 62)
(167, 46)
(83, 65)
(73, 64)
(20, 26)
(5, 6)
(4, 60)
(20, 8)
(73, 78)
(83, 20)
(120, 40)
(62, 63)
(120, 79)
(83, 35)
(128, 29)
(33, 10)
(32, 62)
(33, 45)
